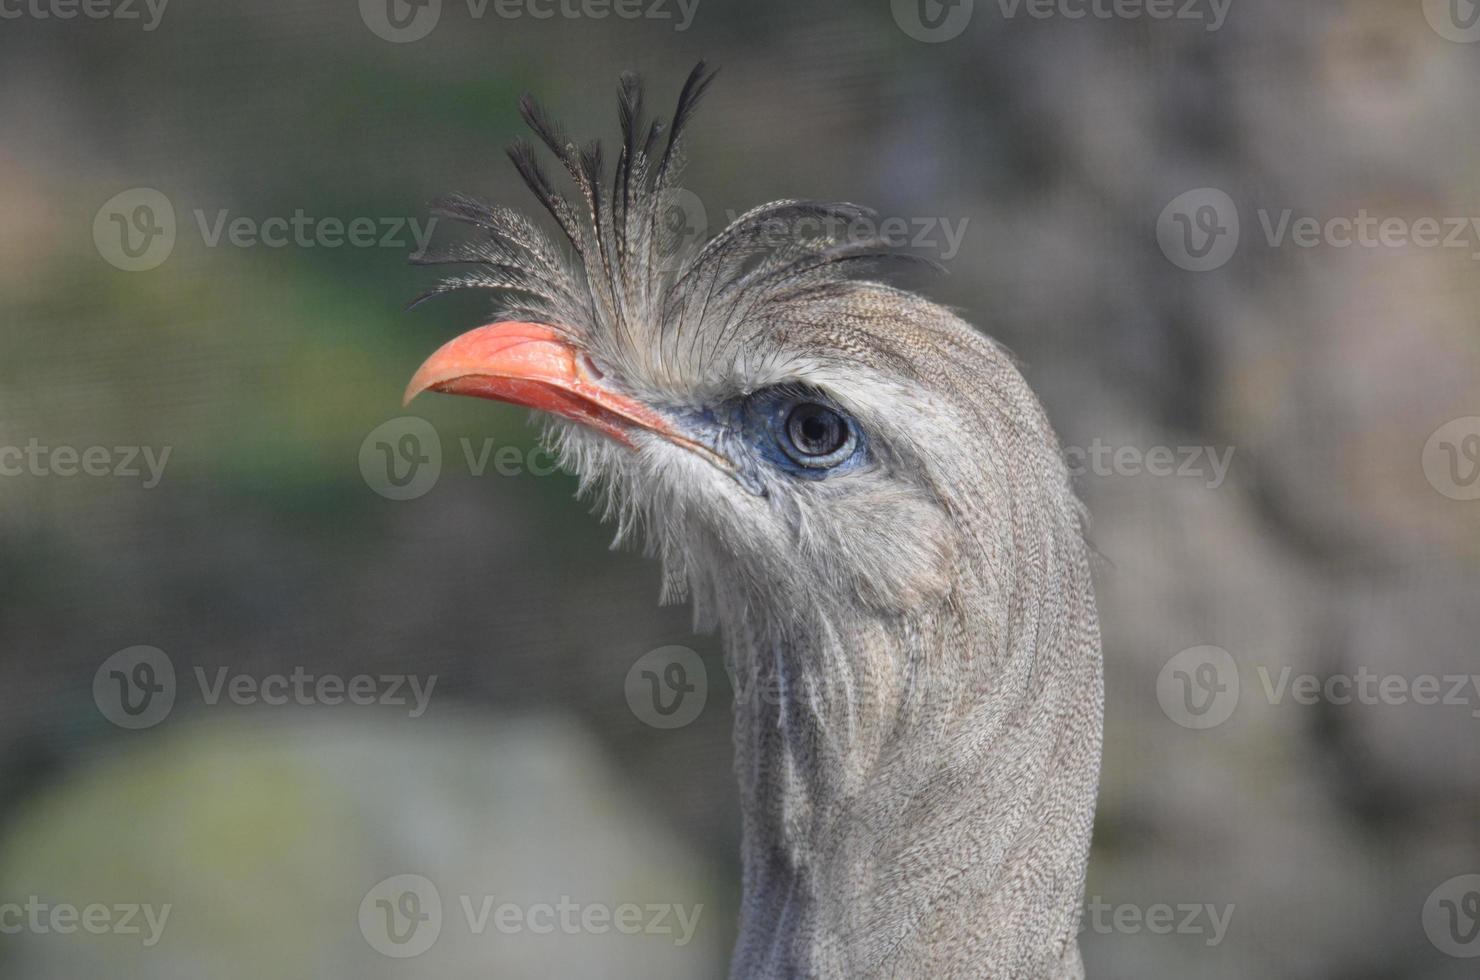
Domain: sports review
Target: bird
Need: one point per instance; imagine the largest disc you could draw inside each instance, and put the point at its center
(861, 493)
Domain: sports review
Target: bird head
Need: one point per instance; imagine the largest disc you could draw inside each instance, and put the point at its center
(778, 428)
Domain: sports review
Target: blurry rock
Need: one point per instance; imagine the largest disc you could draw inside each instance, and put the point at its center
(1409, 646)
(488, 849)
(1332, 395)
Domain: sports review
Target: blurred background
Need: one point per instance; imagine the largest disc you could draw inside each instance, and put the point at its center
(299, 683)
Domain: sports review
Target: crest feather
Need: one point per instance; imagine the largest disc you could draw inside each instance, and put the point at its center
(631, 288)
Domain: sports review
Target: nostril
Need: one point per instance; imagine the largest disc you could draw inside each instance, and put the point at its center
(590, 368)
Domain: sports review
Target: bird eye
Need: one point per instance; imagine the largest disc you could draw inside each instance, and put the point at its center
(799, 431)
(815, 430)
(815, 435)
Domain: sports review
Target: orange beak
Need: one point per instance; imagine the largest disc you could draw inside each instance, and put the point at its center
(530, 364)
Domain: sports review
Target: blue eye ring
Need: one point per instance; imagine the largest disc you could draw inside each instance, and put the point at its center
(800, 431)
(814, 434)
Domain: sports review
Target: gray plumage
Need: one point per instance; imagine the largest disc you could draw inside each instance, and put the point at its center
(913, 642)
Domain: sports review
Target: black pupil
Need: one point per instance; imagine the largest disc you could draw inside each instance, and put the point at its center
(816, 430)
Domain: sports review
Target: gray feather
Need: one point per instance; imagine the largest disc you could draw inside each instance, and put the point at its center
(914, 645)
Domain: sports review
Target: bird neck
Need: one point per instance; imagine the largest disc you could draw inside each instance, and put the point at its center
(917, 802)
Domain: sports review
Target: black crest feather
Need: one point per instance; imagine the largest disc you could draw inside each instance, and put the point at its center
(633, 279)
